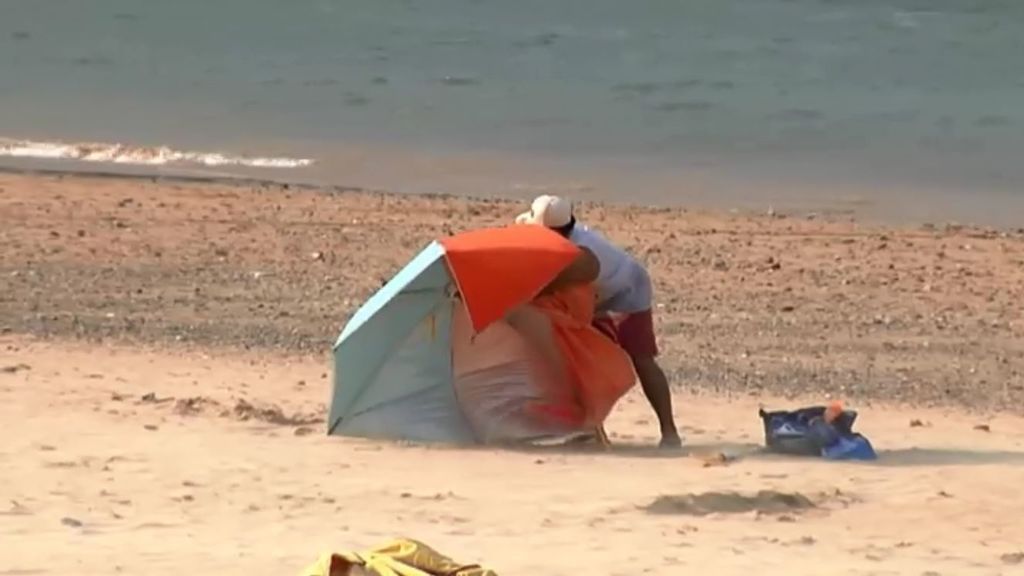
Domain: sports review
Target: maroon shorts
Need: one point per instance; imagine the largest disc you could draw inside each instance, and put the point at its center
(633, 332)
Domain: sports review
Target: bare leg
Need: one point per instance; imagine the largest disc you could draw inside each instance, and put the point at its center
(655, 386)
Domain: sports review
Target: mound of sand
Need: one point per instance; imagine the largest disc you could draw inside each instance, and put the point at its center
(702, 504)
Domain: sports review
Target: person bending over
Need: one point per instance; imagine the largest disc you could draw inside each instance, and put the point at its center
(624, 302)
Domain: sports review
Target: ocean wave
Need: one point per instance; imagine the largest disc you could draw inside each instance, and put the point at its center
(115, 153)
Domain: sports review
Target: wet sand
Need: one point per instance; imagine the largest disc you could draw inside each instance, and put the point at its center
(164, 363)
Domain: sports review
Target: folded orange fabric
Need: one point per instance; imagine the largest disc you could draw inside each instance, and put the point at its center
(598, 371)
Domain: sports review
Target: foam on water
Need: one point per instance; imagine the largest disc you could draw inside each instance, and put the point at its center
(116, 153)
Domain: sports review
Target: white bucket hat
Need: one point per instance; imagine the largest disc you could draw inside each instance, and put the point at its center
(549, 211)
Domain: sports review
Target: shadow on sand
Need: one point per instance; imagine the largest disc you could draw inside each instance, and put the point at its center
(904, 457)
(632, 450)
(946, 457)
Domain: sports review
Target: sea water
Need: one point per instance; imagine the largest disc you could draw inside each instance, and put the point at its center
(913, 106)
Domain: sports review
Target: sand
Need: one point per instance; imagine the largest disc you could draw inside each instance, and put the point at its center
(107, 471)
(746, 304)
(164, 373)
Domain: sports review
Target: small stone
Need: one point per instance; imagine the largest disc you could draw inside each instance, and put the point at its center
(151, 427)
(71, 522)
(983, 428)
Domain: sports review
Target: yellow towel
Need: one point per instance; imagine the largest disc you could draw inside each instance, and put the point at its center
(400, 557)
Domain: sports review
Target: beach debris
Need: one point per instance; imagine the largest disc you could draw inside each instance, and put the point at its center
(318, 256)
(151, 398)
(707, 460)
(192, 406)
(983, 427)
(303, 431)
(272, 414)
(944, 494)
(151, 427)
(71, 522)
(916, 423)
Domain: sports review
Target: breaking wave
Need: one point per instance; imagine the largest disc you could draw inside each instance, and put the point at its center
(115, 153)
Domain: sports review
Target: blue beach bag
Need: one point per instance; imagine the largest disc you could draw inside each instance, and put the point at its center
(804, 432)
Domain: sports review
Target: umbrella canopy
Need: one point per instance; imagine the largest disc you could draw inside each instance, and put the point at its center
(393, 360)
(497, 269)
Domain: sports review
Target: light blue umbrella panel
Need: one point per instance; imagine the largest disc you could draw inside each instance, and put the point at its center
(393, 360)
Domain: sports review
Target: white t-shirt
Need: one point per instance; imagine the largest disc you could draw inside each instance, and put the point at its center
(623, 284)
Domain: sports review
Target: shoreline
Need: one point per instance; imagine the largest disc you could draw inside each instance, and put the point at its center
(747, 188)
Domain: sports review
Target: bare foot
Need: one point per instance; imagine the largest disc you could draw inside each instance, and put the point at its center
(670, 441)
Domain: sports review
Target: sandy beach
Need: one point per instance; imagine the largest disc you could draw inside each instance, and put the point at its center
(164, 368)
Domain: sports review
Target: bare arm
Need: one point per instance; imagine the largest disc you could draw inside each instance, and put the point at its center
(583, 270)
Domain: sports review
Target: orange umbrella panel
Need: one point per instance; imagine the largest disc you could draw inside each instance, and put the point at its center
(497, 269)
